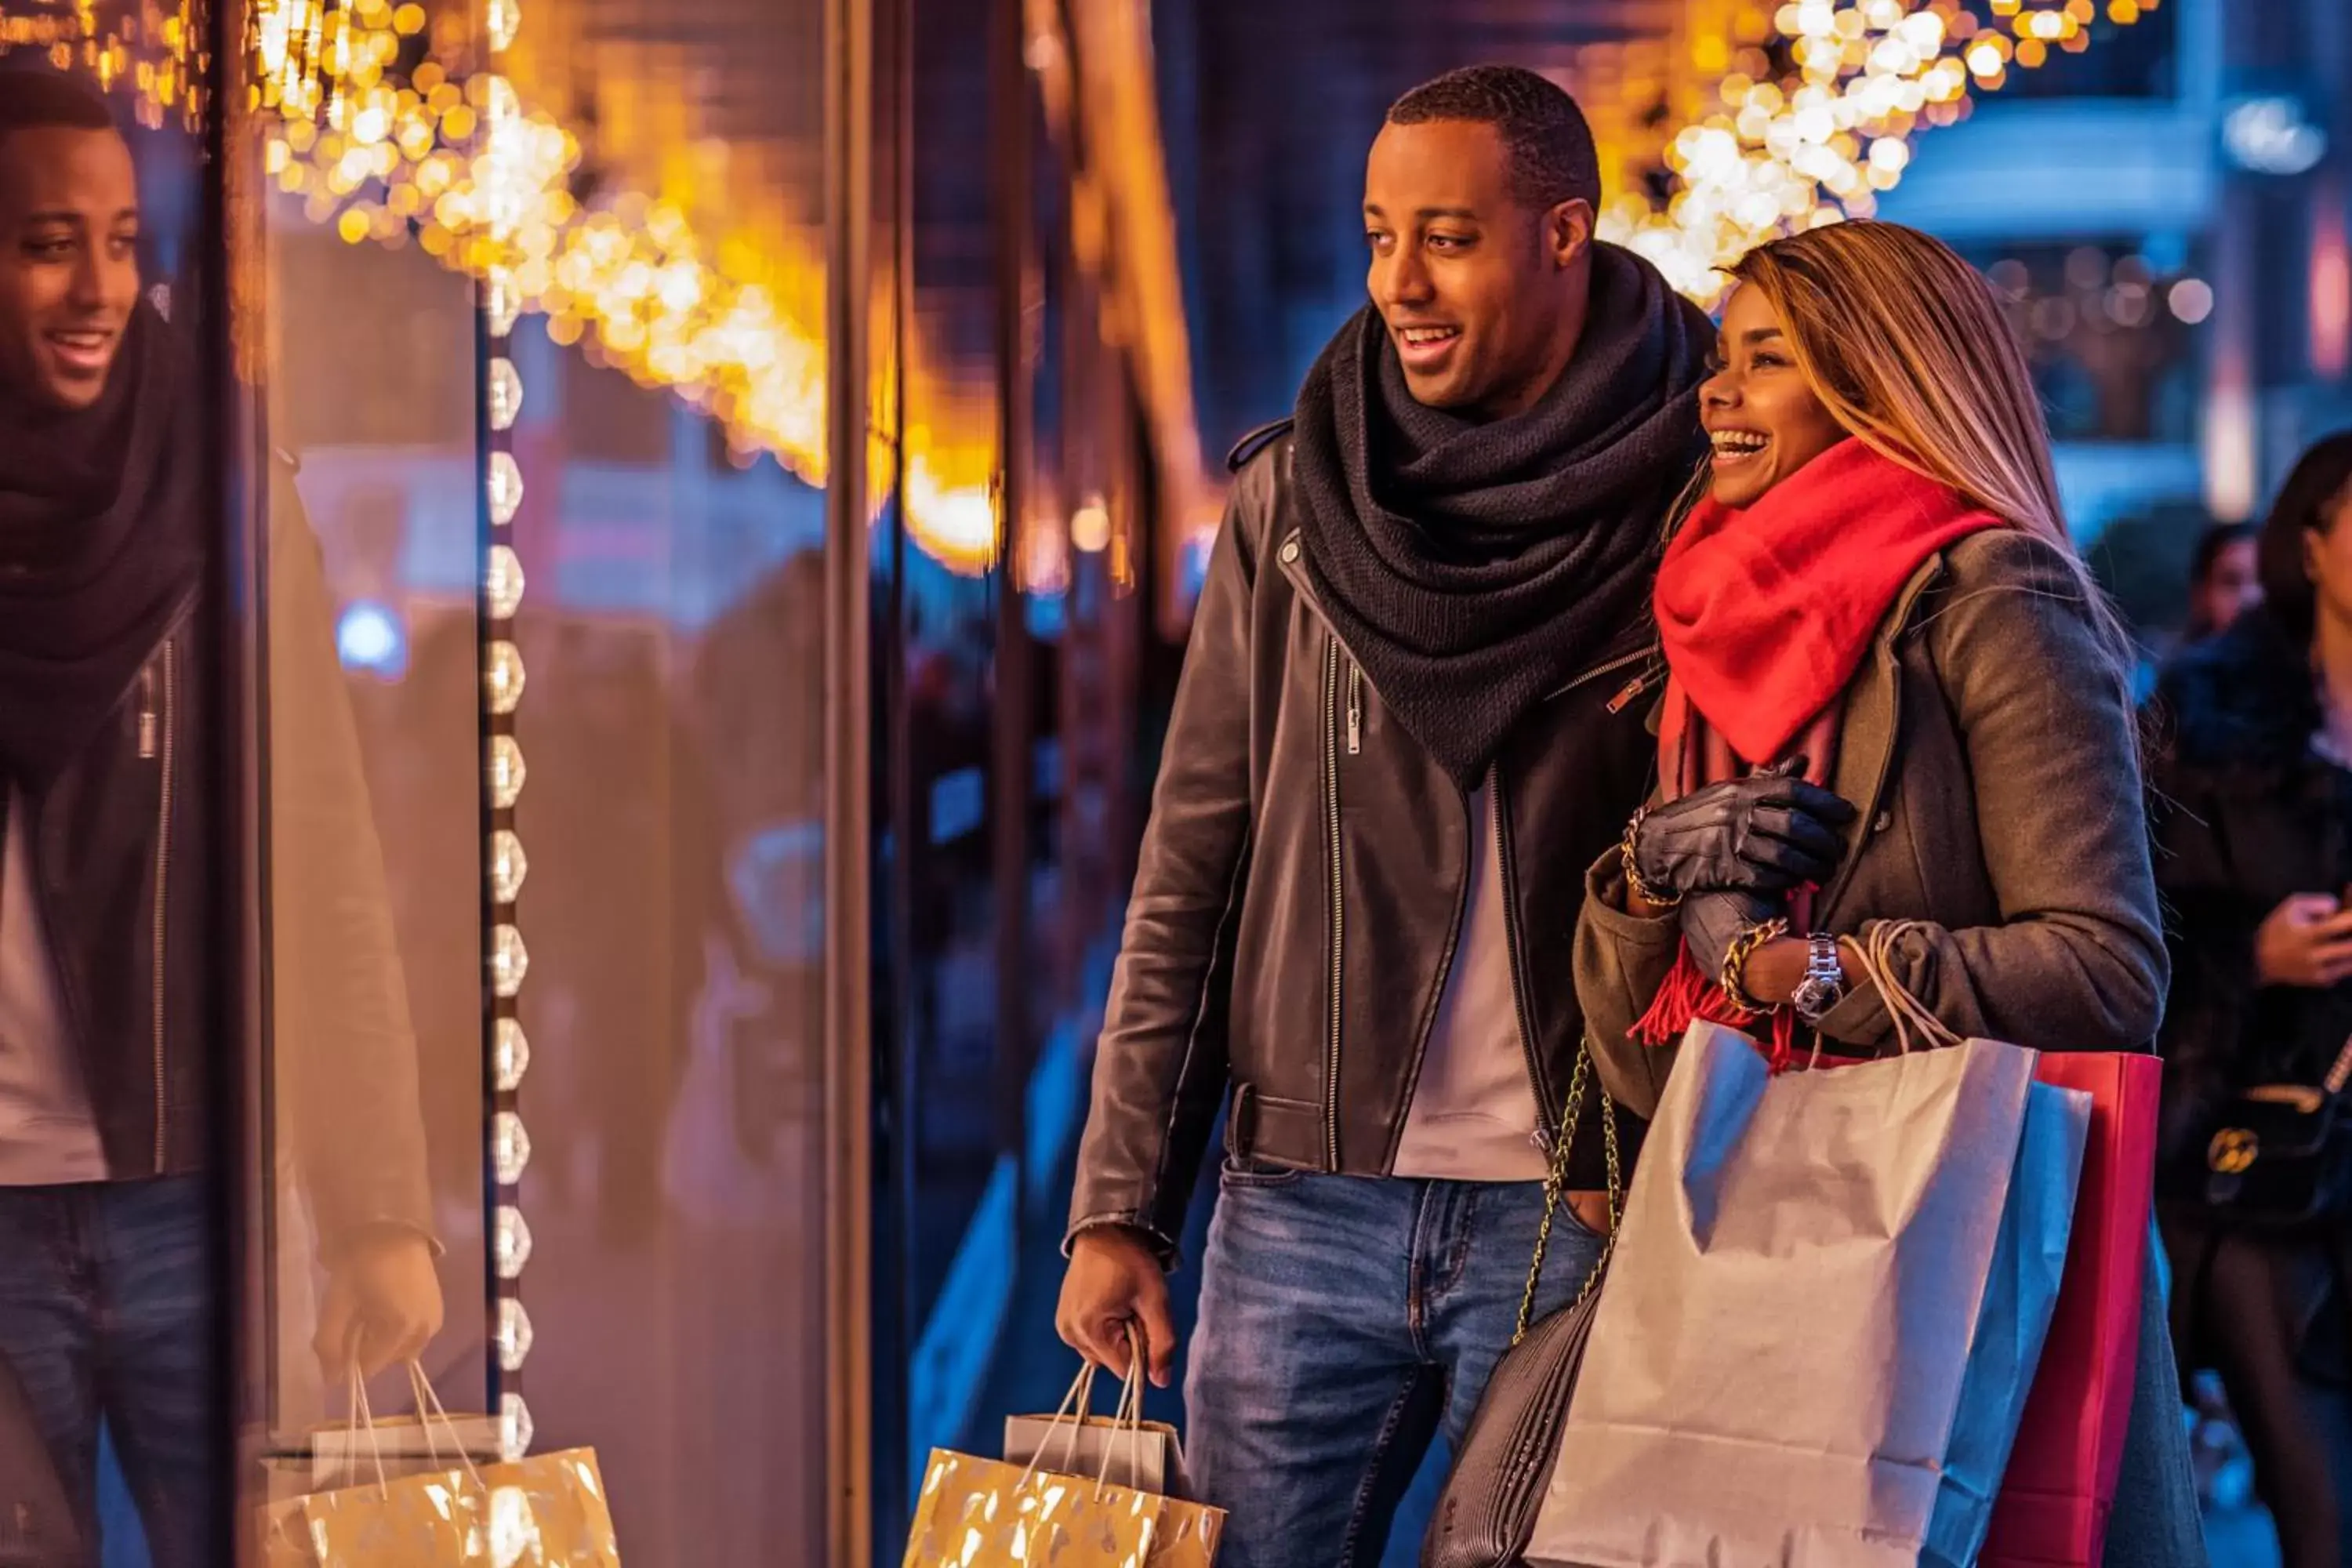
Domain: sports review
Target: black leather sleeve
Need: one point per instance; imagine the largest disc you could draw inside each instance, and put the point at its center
(1161, 1064)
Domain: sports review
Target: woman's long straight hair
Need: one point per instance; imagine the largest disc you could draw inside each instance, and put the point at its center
(1906, 345)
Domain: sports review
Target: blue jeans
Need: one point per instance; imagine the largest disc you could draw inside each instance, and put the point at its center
(107, 1310)
(1343, 1321)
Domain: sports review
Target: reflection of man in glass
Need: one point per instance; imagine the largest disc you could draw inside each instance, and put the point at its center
(108, 1292)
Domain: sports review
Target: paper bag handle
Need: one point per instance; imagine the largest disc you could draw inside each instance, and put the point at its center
(361, 1415)
(1874, 959)
(422, 1386)
(1130, 1415)
(1073, 1408)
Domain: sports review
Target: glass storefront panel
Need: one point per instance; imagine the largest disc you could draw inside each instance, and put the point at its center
(946, 1281)
(115, 703)
(673, 817)
(541, 308)
(497, 785)
(366, 458)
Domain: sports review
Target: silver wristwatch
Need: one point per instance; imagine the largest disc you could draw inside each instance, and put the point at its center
(1823, 986)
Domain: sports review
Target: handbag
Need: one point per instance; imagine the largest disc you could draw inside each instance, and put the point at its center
(1486, 1512)
(2282, 1155)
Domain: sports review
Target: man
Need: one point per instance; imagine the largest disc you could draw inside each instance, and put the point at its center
(109, 1292)
(1407, 721)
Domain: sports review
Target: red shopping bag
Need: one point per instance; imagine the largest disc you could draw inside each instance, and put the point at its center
(2061, 1480)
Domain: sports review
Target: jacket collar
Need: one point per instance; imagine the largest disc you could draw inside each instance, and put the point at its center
(1870, 722)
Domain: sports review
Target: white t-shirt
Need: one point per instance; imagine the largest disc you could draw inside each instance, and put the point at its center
(1473, 1117)
(48, 1134)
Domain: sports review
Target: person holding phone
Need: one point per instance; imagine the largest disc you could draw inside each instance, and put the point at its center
(2254, 856)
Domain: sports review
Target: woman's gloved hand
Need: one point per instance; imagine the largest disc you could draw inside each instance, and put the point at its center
(1767, 832)
(1712, 921)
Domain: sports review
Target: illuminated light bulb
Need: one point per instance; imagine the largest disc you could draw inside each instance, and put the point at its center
(515, 1334)
(2191, 299)
(502, 582)
(504, 490)
(511, 1243)
(510, 1148)
(505, 392)
(510, 961)
(1090, 527)
(501, 19)
(510, 1056)
(510, 866)
(502, 682)
(507, 772)
(515, 1430)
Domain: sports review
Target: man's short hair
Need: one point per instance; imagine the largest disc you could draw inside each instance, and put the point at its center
(1552, 156)
(41, 98)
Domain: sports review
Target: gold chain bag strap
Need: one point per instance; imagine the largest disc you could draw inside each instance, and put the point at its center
(1487, 1514)
(1555, 1192)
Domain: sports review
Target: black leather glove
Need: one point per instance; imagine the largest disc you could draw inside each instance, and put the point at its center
(1766, 833)
(1712, 921)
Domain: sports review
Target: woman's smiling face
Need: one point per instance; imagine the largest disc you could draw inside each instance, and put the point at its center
(1761, 413)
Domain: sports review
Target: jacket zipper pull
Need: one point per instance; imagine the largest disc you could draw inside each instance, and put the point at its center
(1355, 708)
(147, 746)
(1630, 690)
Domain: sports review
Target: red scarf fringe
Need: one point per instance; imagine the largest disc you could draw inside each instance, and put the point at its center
(1687, 997)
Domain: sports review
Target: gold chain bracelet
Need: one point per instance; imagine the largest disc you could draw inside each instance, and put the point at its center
(1735, 963)
(1641, 889)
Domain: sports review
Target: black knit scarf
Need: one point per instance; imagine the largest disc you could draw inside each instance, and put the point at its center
(1474, 567)
(100, 544)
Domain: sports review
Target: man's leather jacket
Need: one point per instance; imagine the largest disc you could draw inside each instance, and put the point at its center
(1300, 890)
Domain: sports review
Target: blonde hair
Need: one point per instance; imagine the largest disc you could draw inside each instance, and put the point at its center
(1905, 346)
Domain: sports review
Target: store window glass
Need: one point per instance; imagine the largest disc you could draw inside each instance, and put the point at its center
(536, 305)
(111, 703)
(956, 685)
(361, 465)
(670, 450)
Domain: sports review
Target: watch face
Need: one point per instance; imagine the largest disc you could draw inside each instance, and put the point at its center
(1813, 997)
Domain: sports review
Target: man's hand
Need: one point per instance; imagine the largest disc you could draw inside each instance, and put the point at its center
(1115, 1280)
(384, 1305)
(2306, 941)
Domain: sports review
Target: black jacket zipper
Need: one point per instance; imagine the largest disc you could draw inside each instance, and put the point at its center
(1338, 896)
(149, 720)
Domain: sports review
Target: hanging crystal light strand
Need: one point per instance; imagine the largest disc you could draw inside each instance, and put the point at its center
(504, 865)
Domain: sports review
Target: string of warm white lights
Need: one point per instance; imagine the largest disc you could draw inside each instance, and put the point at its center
(1821, 138)
(504, 140)
(377, 136)
(158, 50)
(374, 136)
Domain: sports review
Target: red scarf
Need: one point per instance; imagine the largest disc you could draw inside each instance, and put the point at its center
(1765, 614)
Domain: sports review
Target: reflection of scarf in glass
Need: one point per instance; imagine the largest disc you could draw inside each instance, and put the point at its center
(1474, 566)
(102, 523)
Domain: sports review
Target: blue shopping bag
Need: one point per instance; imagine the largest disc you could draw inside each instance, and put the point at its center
(2020, 1294)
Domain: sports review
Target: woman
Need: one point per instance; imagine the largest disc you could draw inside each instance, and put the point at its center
(2255, 860)
(2225, 580)
(1893, 694)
